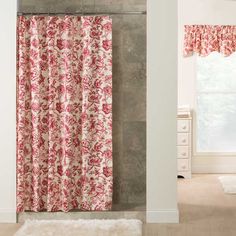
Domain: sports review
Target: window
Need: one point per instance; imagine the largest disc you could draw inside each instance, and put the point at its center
(216, 104)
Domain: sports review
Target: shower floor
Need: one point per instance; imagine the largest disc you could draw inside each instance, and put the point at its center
(126, 211)
(129, 207)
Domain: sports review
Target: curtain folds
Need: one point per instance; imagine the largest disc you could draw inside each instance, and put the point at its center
(204, 39)
(64, 113)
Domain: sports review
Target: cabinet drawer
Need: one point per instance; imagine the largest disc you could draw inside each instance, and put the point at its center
(183, 126)
(183, 152)
(182, 139)
(183, 164)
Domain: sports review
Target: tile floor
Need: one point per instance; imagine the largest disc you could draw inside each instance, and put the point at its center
(204, 211)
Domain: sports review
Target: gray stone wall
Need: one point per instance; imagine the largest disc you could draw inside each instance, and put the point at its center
(129, 89)
(78, 5)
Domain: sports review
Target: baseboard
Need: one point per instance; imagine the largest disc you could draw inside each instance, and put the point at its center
(214, 169)
(214, 165)
(8, 216)
(163, 216)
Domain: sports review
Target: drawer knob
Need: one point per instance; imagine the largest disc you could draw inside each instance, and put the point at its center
(183, 140)
(184, 127)
(183, 153)
(183, 167)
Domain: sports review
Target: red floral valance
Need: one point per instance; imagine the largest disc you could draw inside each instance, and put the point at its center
(204, 39)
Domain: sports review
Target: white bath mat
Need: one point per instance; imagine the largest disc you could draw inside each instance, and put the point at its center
(121, 227)
(228, 184)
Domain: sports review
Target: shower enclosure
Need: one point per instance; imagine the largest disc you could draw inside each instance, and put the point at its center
(129, 89)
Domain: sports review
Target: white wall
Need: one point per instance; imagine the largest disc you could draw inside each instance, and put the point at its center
(7, 108)
(161, 111)
(212, 12)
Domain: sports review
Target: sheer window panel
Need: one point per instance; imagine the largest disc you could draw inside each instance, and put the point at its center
(216, 104)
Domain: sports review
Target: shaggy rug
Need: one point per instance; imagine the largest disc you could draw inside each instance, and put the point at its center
(228, 184)
(121, 227)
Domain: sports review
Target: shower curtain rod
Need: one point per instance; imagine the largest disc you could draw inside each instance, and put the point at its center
(83, 13)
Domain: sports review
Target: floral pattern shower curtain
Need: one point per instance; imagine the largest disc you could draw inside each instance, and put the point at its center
(64, 113)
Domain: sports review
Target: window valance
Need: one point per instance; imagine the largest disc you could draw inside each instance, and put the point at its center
(204, 39)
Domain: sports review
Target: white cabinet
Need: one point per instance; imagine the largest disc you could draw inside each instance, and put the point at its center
(183, 125)
(184, 145)
(183, 151)
(183, 164)
(183, 139)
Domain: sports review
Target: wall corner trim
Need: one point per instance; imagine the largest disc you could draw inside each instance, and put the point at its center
(8, 216)
(163, 216)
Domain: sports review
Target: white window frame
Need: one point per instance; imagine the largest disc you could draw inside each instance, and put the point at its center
(194, 114)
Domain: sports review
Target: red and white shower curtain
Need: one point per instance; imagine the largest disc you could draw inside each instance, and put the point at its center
(64, 113)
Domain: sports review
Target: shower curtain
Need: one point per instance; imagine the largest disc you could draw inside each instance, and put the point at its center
(64, 113)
